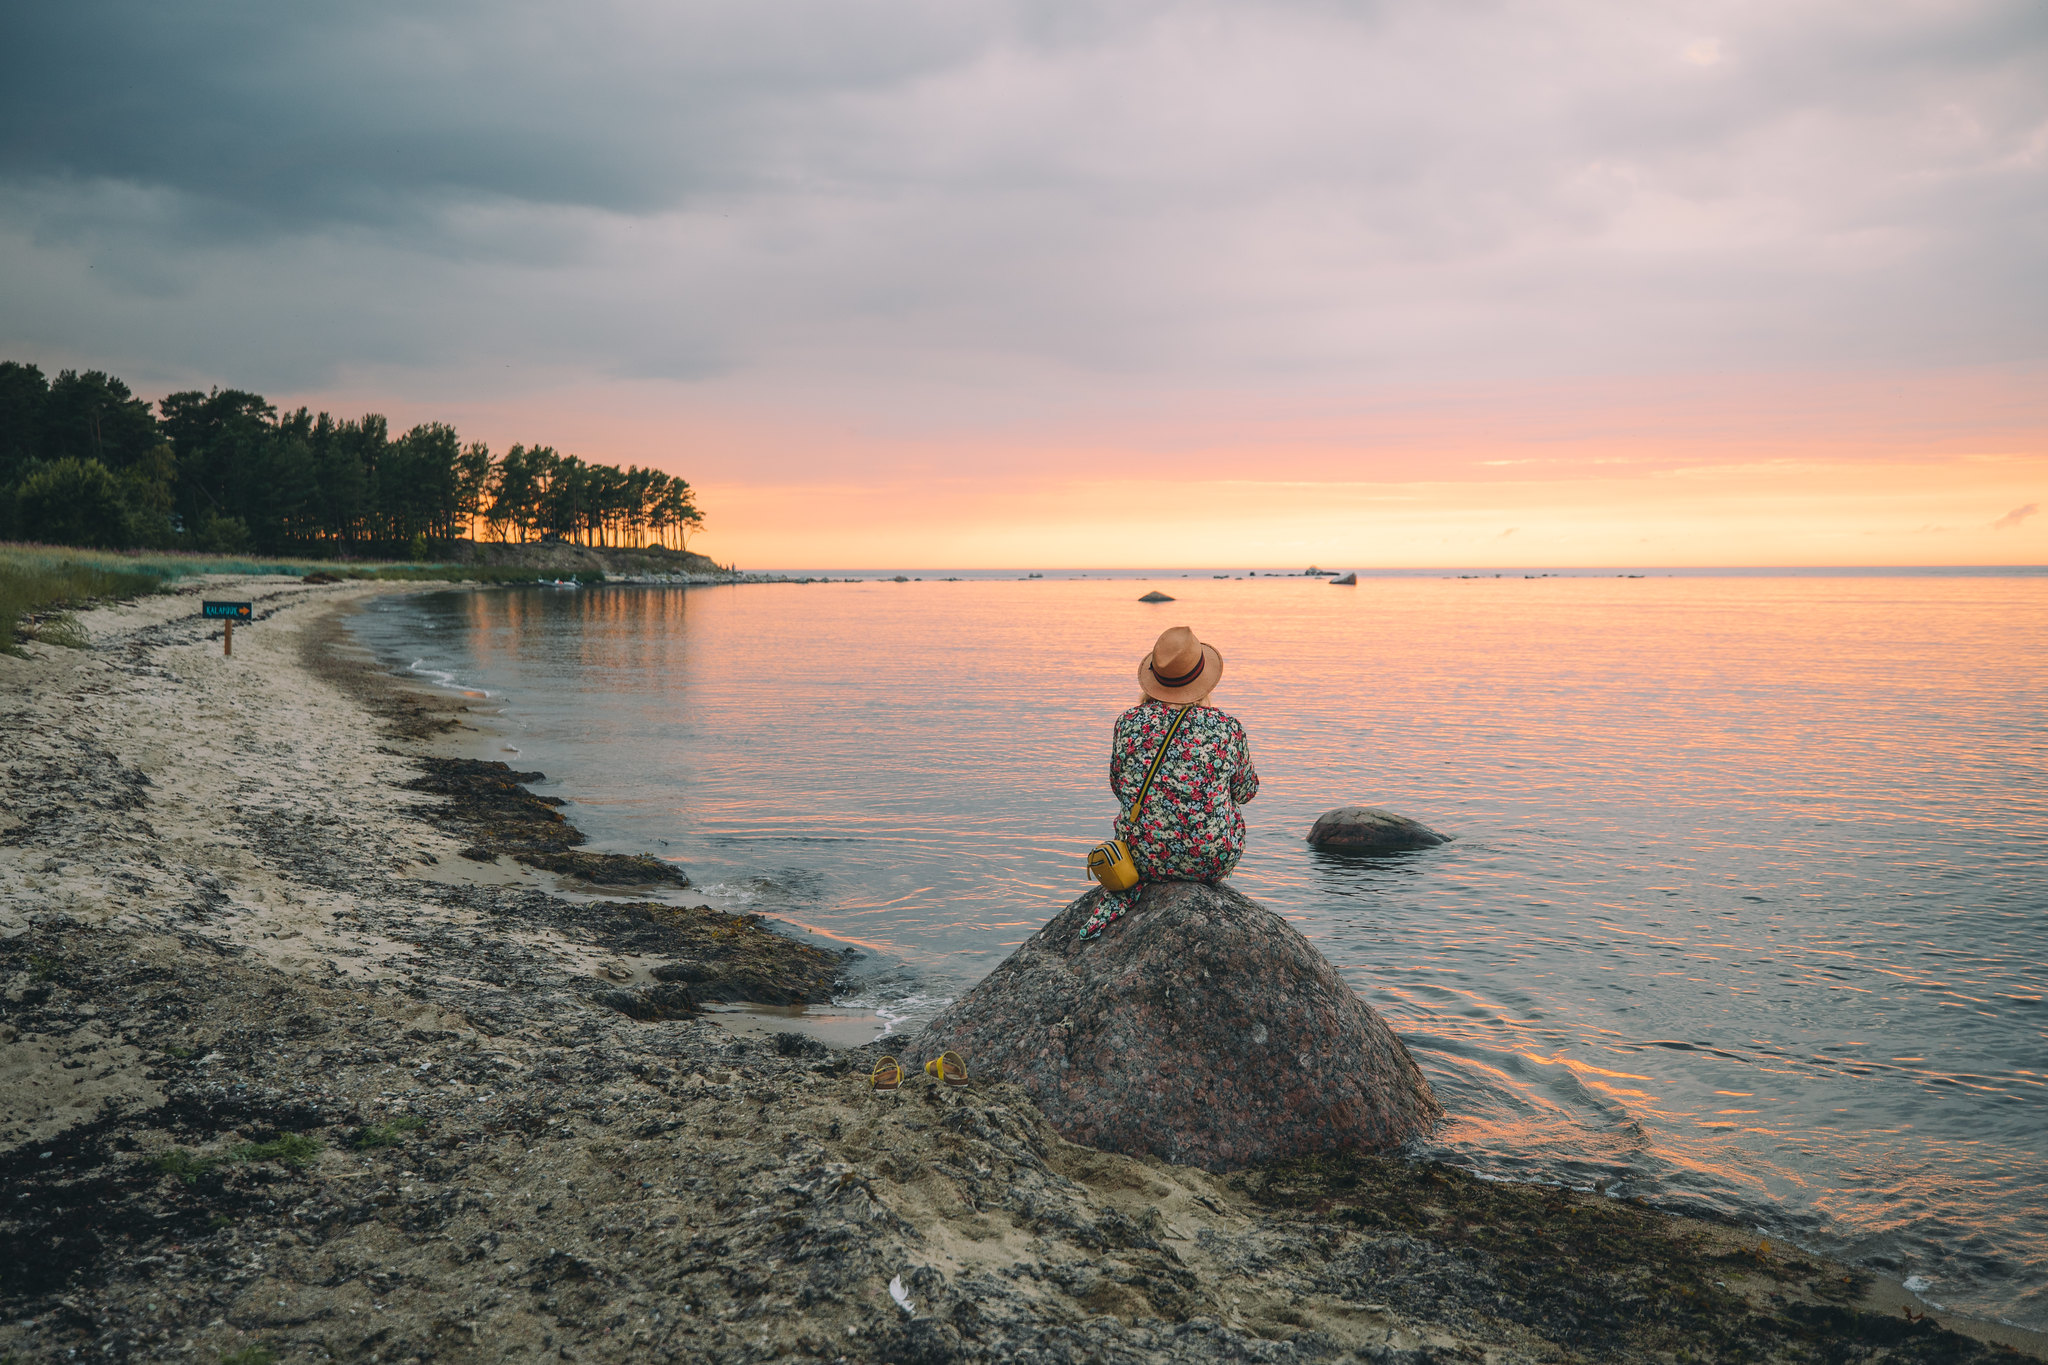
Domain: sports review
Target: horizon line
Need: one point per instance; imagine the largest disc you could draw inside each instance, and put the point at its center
(1264, 571)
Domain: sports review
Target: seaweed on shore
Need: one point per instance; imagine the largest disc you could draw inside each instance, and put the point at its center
(488, 805)
(736, 958)
(1605, 1278)
(608, 869)
(657, 1003)
(713, 956)
(716, 956)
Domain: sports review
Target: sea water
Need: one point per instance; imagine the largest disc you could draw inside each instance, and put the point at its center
(1746, 907)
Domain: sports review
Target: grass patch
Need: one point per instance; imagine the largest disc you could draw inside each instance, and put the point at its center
(39, 584)
(63, 629)
(388, 1134)
(259, 1354)
(187, 1166)
(166, 565)
(36, 590)
(289, 1149)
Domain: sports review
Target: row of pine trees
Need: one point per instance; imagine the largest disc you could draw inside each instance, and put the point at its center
(83, 461)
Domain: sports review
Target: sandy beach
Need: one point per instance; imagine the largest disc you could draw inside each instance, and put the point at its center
(299, 1060)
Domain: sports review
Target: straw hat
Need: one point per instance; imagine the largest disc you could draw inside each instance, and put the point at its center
(1180, 668)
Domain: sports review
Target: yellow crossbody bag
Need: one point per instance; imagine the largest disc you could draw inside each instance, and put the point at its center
(1110, 861)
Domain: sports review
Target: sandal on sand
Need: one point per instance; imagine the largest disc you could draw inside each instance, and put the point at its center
(887, 1075)
(948, 1067)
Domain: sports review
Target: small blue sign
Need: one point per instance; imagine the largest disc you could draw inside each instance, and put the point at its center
(233, 611)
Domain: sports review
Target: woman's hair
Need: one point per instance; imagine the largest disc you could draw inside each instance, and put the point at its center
(1145, 697)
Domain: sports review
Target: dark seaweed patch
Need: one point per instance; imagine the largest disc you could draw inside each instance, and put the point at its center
(608, 869)
(488, 806)
(715, 956)
(1606, 1278)
(662, 1001)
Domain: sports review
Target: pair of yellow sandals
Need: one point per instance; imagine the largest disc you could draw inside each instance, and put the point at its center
(947, 1066)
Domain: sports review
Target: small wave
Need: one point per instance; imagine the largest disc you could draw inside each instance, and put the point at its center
(748, 891)
(442, 678)
(914, 1008)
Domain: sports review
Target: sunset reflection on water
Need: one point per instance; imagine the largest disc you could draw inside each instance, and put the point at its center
(1746, 902)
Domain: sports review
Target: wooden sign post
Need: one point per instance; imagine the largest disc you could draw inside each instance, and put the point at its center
(230, 612)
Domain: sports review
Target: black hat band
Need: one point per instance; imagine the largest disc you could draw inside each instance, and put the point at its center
(1201, 662)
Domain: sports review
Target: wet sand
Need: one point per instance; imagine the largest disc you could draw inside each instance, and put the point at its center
(296, 1054)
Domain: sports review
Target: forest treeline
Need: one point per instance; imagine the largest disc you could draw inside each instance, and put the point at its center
(83, 461)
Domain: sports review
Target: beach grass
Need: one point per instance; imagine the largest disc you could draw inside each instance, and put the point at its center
(389, 1134)
(40, 585)
(37, 591)
(296, 1150)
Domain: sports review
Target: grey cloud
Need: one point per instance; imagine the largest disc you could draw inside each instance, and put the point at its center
(1313, 193)
(297, 113)
(2016, 516)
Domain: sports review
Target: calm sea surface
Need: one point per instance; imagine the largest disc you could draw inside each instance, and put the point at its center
(1747, 905)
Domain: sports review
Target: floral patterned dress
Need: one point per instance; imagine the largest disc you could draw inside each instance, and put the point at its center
(1191, 829)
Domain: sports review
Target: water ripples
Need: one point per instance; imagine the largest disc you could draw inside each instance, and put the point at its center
(1745, 910)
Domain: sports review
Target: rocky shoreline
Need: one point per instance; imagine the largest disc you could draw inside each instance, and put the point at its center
(316, 1044)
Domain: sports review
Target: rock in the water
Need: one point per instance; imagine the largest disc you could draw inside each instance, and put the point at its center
(1200, 1027)
(1155, 596)
(1368, 829)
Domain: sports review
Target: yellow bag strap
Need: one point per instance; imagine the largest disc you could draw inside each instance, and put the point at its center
(1145, 788)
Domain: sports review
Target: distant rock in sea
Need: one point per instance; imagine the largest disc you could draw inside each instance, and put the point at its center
(1368, 829)
(1200, 1027)
(1155, 596)
(1349, 580)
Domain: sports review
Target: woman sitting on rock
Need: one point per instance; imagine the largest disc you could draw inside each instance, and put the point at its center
(1190, 829)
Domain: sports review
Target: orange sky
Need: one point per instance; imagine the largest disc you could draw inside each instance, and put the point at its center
(1777, 513)
(1728, 470)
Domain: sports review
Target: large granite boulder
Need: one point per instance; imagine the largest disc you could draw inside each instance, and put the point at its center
(1200, 1027)
(1368, 829)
